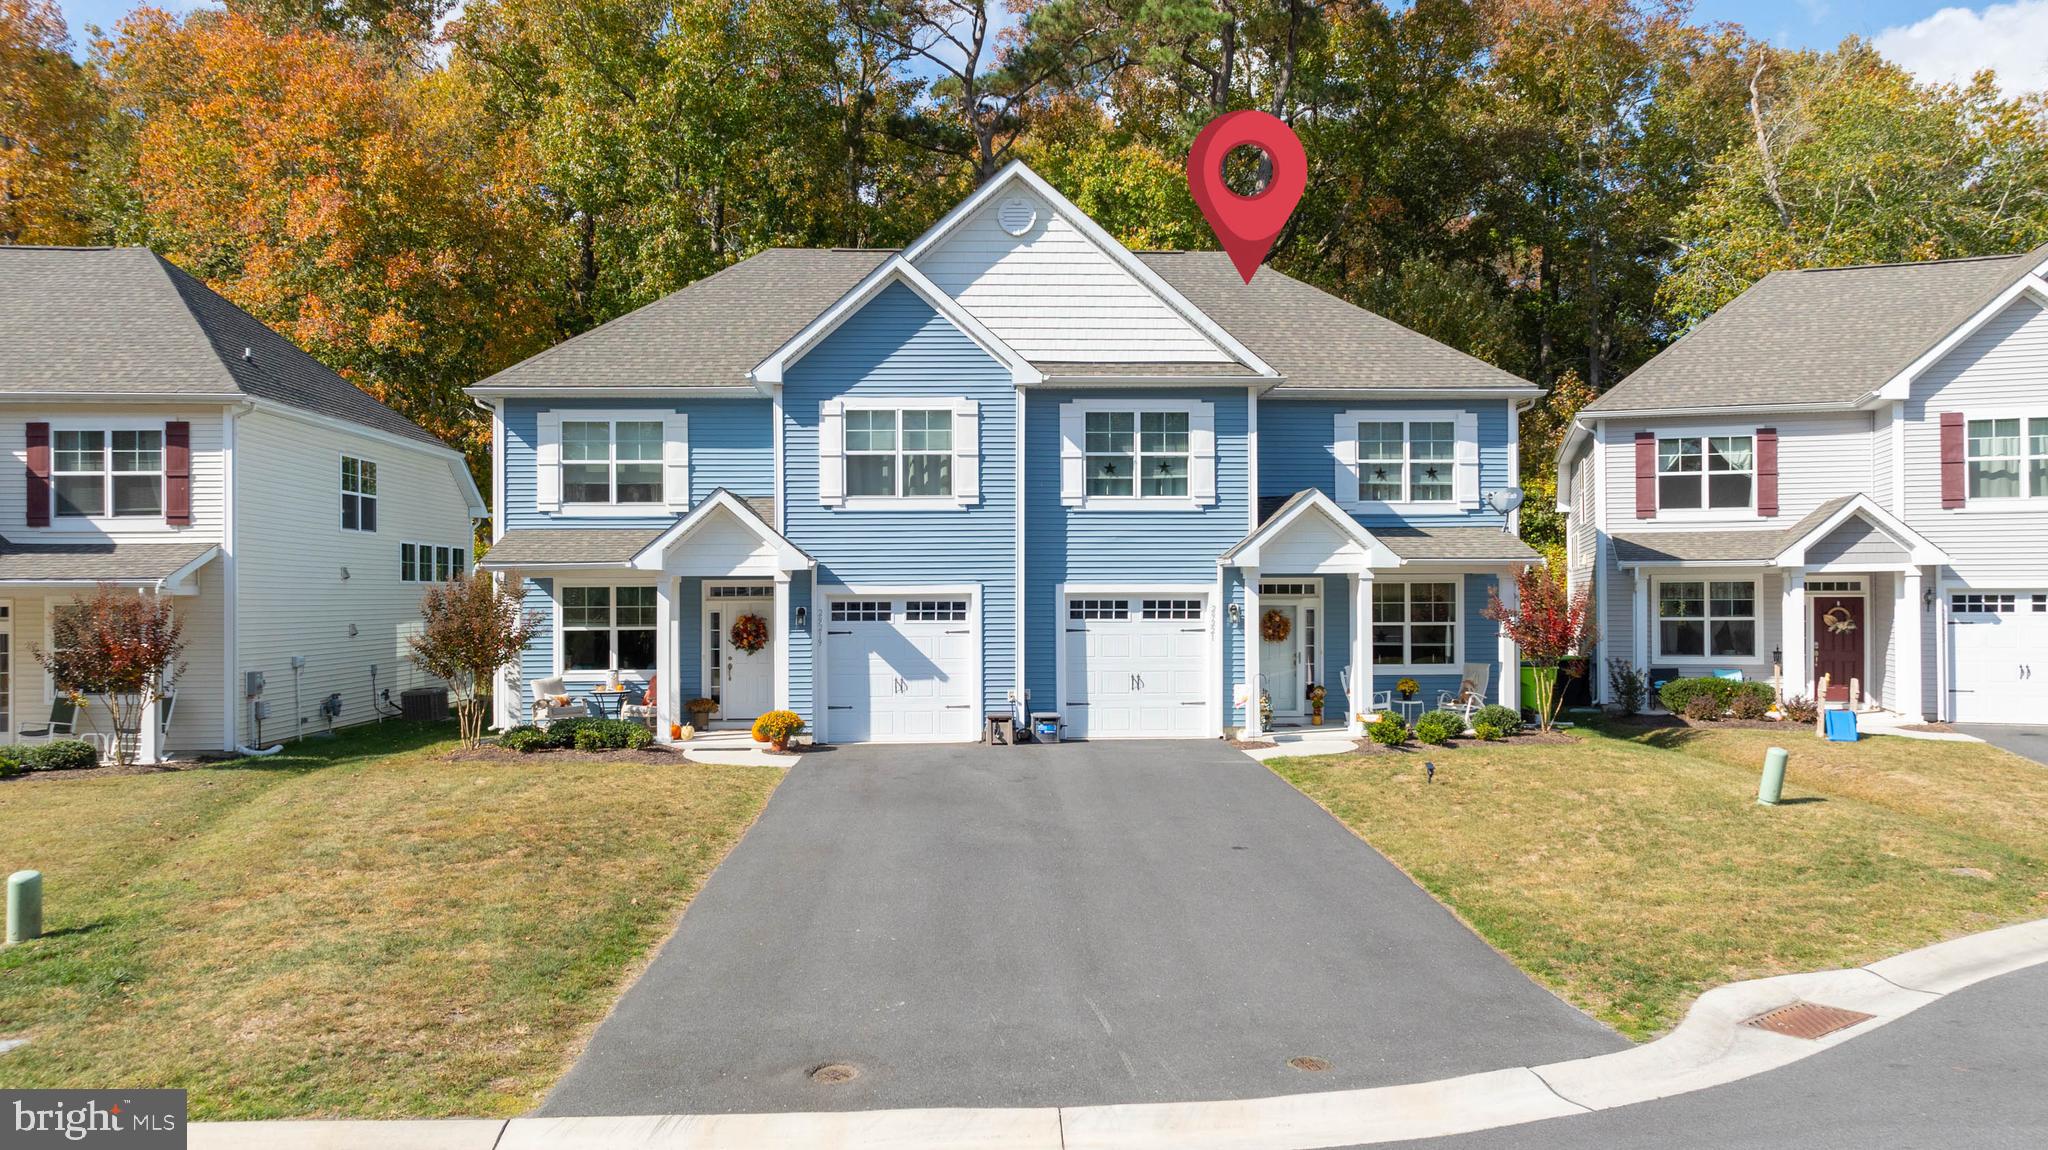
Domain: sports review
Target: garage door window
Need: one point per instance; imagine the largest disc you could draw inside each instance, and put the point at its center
(860, 610)
(607, 628)
(1978, 604)
(1172, 609)
(935, 611)
(1082, 609)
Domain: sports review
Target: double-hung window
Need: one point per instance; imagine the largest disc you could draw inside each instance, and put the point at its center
(1137, 453)
(358, 494)
(1706, 619)
(1407, 461)
(1706, 472)
(607, 629)
(1414, 624)
(892, 454)
(611, 461)
(108, 473)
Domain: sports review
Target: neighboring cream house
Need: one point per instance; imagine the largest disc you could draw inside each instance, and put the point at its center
(1842, 473)
(164, 440)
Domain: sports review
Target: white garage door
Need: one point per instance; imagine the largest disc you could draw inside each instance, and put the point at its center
(2000, 641)
(1136, 667)
(901, 671)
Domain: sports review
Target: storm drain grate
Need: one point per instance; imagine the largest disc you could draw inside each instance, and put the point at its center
(1807, 1020)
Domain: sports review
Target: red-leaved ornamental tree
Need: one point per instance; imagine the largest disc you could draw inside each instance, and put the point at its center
(123, 646)
(1550, 625)
(472, 629)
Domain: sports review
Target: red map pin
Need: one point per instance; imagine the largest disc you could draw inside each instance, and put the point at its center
(1247, 225)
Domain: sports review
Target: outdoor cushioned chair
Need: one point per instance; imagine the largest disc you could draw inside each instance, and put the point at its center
(642, 712)
(63, 721)
(1471, 693)
(552, 701)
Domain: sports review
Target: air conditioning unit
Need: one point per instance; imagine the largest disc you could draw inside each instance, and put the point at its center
(427, 704)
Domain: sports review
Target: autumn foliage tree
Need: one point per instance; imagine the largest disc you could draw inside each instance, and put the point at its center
(47, 111)
(471, 629)
(1549, 624)
(122, 646)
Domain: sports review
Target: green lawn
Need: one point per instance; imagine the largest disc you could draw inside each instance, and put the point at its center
(358, 927)
(1634, 869)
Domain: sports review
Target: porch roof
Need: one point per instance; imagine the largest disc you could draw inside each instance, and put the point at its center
(1766, 547)
(568, 546)
(86, 563)
(1440, 544)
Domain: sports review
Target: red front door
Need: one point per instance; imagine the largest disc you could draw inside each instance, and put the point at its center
(1838, 644)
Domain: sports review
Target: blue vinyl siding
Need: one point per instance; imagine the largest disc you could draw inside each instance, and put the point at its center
(538, 660)
(1068, 545)
(1335, 655)
(731, 446)
(690, 652)
(1481, 643)
(1296, 451)
(897, 346)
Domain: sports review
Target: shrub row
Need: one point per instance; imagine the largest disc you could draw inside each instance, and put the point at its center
(578, 734)
(1720, 695)
(58, 755)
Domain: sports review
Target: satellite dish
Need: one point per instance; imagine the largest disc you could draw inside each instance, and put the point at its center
(1505, 500)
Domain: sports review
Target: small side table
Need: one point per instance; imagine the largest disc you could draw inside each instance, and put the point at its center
(1411, 709)
(617, 699)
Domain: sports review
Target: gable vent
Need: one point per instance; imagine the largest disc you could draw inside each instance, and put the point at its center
(1016, 215)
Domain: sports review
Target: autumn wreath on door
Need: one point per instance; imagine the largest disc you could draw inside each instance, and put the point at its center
(749, 633)
(1275, 626)
(1839, 621)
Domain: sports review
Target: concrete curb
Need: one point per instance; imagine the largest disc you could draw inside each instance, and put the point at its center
(1710, 1048)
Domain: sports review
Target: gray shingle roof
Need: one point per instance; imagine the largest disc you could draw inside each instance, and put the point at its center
(1720, 546)
(126, 321)
(1478, 544)
(1315, 339)
(1824, 335)
(94, 562)
(711, 333)
(534, 546)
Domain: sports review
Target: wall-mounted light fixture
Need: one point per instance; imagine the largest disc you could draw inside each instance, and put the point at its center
(803, 615)
(1927, 598)
(1236, 613)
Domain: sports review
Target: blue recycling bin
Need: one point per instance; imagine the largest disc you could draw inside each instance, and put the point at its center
(1841, 726)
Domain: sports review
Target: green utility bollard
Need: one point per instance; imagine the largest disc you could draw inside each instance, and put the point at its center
(24, 906)
(1773, 784)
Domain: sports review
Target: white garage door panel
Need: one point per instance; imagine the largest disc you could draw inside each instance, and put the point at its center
(2000, 645)
(1128, 676)
(900, 680)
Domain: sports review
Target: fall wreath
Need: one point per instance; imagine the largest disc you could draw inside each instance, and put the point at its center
(749, 633)
(1839, 621)
(1275, 626)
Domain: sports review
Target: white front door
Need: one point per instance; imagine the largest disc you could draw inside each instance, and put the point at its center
(901, 670)
(1999, 641)
(1280, 662)
(742, 682)
(1136, 667)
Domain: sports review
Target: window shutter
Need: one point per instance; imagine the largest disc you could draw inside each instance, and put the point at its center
(178, 473)
(1465, 478)
(966, 452)
(831, 453)
(1202, 454)
(1344, 442)
(547, 462)
(1646, 475)
(1954, 488)
(675, 461)
(38, 475)
(1073, 461)
(1766, 471)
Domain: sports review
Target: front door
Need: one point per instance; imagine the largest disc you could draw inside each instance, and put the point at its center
(742, 681)
(1838, 644)
(1280, 659)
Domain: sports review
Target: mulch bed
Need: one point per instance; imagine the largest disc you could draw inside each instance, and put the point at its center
(1667, 722)
(109, 772)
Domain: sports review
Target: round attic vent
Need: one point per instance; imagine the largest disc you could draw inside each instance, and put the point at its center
(1017, 215)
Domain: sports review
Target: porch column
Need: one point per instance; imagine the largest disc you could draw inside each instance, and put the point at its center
(1359, 698)
(667, 668)
(1909, 620)
(781, 634)
(1796, 645)
(1510, 652)
(508, 702)
(1639, 608)
(149, 743)
(1253, 728)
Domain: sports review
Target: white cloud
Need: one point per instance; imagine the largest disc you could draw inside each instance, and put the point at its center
(1956, 43)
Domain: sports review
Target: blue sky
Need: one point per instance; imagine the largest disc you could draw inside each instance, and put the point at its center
(1935, 41)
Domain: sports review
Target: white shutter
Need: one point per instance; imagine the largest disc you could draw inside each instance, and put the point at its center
(966, 451)
(547, 462)
(675, 460)
(831, 453)
(1202, 453)
(1073, 461)
(1465, 480)
(1344, 443)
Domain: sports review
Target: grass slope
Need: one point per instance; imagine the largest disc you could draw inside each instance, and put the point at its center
(1634, 869)
(354, 927)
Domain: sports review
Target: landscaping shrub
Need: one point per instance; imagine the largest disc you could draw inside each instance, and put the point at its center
(62, 755)
(1388, 730)
(13, 761)
(1628, 684)
(1703, 706)
(1506, 720)
(1800, 709)
(1750, 704)
(1679, 693)
(525, 740)
(1439, 727)
(610, 735)
(1488, 731)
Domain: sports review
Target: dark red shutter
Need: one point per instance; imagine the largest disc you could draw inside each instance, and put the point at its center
(1646, 475)
(178, 474)
(1766, 471)
(1953, 488)
(38, 475)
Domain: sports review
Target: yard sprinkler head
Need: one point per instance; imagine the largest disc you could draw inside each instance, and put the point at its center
(1428, 771)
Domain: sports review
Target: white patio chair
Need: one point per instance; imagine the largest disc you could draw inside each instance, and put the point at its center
(546, 710)
(1471, 693)
(1378, 702)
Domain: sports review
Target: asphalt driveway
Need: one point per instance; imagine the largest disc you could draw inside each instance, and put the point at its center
(1064, 925)
(2029, 741)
